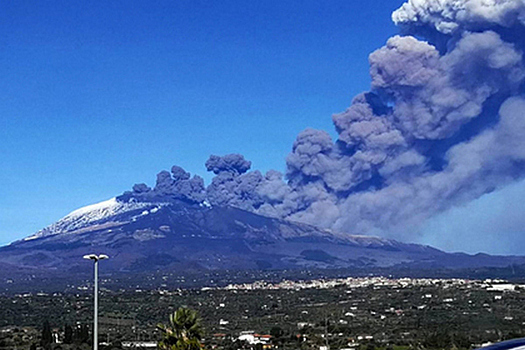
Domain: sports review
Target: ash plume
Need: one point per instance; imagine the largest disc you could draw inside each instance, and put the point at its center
(233, 185)
(175, 185)
(442, 125)
(452, 16)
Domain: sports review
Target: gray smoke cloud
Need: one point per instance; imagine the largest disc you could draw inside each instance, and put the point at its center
(231, 163)
(442, 125)
(233, 185)
(175, 185)
(450, 16)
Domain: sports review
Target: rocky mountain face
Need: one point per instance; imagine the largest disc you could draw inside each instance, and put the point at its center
(173, 234)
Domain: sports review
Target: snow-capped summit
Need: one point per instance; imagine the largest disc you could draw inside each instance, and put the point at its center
(89, 215)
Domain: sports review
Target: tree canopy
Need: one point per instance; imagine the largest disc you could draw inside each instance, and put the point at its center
(184, 331)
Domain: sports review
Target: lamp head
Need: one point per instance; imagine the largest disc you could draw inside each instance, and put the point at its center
(95, 257)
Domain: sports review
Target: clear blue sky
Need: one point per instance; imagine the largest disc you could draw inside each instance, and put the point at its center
(97, 96)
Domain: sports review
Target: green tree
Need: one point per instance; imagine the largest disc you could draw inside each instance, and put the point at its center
(184, 331)
(81, 335)
(47, 337)
(68, 334)
(276, 332)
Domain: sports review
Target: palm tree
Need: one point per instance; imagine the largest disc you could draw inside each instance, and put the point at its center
(184, 331)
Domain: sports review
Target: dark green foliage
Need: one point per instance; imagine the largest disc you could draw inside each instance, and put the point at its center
(68, 334)
(371, 346)
(276, 332)
(445, 339)
(46, 338)
(184, 331)
(81, 335)
(400, 316)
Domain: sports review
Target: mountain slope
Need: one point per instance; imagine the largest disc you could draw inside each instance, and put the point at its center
(178, 235)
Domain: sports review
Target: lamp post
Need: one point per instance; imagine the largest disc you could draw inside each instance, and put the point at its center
(96, 259)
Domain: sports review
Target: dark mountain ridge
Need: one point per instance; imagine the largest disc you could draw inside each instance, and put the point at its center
(177, 235)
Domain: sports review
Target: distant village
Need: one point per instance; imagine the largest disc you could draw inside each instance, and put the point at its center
(343, 313)
(363, 282)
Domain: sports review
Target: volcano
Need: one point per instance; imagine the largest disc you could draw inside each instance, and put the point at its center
(176, 235)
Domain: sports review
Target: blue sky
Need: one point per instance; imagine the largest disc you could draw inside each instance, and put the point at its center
(99, 96)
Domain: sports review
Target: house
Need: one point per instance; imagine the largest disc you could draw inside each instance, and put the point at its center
(253, 338)
(140, 344)
(219, 336)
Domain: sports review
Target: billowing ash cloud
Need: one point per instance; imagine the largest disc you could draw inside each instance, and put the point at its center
(232, 185)
(442, 125)
(449, 16)
(175, 185)
(232, 163)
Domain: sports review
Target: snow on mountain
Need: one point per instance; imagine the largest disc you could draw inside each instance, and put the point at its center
(112, 210)
(91, 214)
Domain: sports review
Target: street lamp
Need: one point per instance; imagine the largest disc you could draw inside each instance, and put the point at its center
(96, 259)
